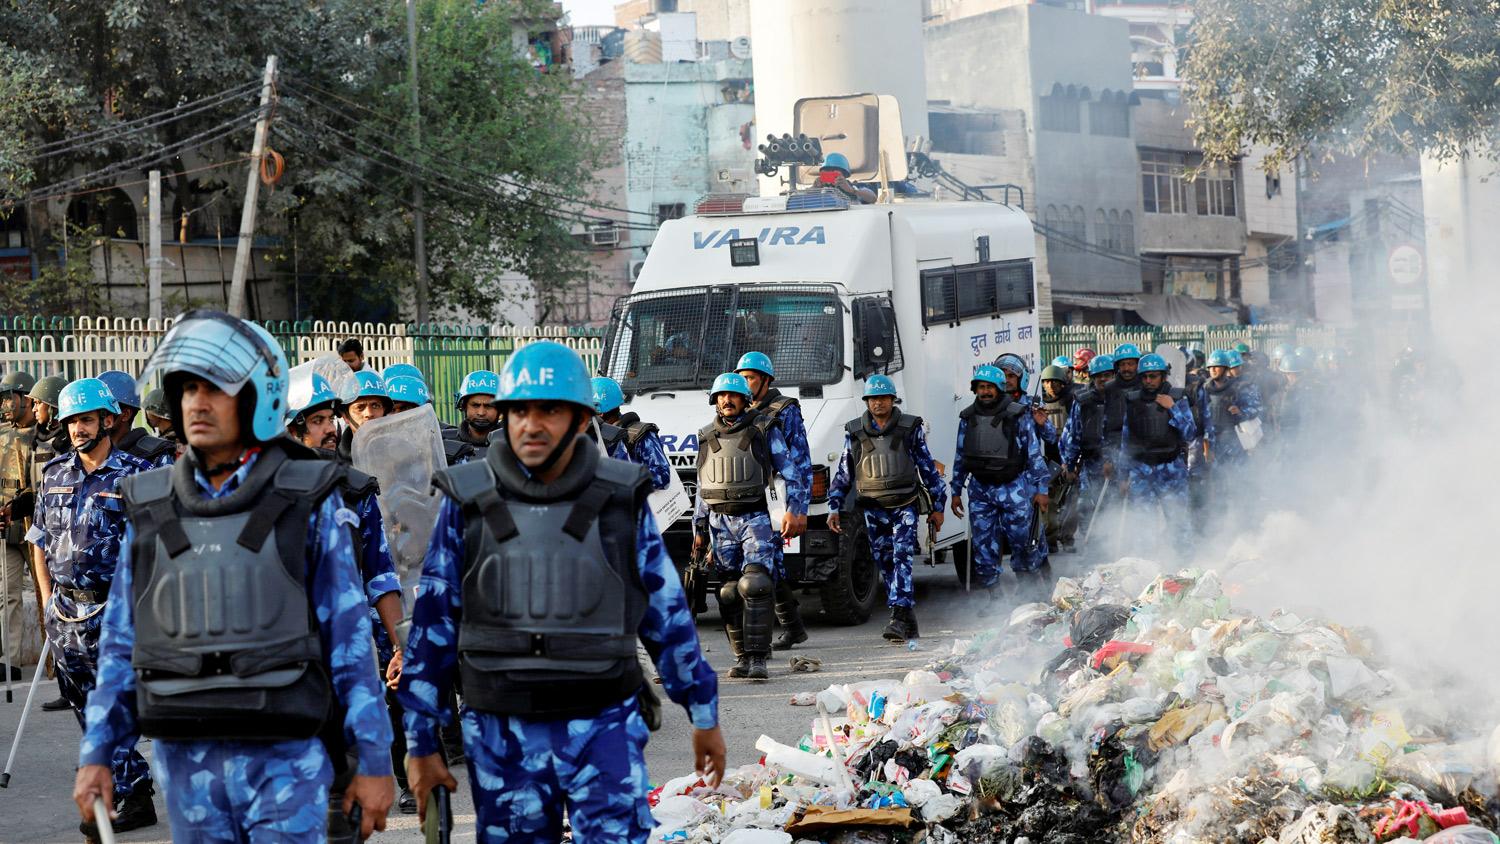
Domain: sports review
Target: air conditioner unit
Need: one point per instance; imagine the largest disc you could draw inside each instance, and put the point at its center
(606, 235)
(740, 47)
(635, 269)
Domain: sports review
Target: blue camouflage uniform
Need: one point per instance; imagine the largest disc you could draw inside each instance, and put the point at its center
(376, 568)
(80, 527)
(893, 530)
(247, 790)
(1006, 508)
(1167, 483)
(522, 770)
(750, 538)
(650, 453)
(1224, 446)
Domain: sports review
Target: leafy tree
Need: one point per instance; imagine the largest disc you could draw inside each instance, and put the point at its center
(1353, 76)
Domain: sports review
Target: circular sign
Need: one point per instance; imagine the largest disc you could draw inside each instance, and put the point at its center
(1405, 265)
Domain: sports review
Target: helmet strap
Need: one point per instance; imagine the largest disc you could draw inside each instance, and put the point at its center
(562, 445)
(100, 436)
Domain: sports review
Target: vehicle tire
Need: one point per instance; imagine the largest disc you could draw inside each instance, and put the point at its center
(854, 590)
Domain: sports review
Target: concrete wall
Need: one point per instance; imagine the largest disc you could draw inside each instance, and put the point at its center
(1274, 215)
(603, 101)
(719, 20)
(1159, 124)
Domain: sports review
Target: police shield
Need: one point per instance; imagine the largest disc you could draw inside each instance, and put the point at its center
(299, 386)
(402, 452)
(1177, 360)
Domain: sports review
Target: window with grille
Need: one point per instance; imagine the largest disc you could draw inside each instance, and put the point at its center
(1164, 182)
(670, 211)
(953, 294)
(1216, 194)
(684, 338)
(1059, 112)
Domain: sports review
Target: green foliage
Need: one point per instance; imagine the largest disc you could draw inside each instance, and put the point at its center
(1353, 76)
(65, 284)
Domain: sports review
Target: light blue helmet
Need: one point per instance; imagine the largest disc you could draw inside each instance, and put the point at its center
(122, 386)
(321, 394)
(1220, 357)
(757, 362)
(1100, 364)
(1236, 358)
(84, 395)
(407, 388)
(230, 353)
(1126, 351)
(836, 161)
(366, 384)
(480, 382)
(544, 371)
(1013, 364)
(396, 370)
(989, 375)
(1063, 361)
(1152, 363)
(1280, 351)
(607, 394)
(879, 385)
(730, 382)
(1297, 361)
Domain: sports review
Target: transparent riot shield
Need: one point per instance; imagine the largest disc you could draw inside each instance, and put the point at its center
(667, 505)
(402, 452)
(1177, 360)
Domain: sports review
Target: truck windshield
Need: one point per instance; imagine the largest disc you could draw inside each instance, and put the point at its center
(683, 338)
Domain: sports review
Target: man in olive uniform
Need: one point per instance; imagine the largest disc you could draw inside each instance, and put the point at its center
(1057, 403)
(51, 441)
(17, 433)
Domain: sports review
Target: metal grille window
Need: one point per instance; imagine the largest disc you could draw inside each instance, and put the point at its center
(670, 211)
(1215, 189)
(683, 338)
(1164, 182)
(951, 294)
(1059, 112)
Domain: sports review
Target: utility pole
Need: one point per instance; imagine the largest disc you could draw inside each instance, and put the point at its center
(419, 221)
(252, 193)
(153, 264)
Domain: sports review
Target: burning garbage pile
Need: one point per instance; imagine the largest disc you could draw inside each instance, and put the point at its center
(1132, 707)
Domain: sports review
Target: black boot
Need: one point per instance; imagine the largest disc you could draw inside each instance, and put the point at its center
(911, 623)
(732, 608)
(134, 811)
(59, 705)
(895, 630)
(789, 615)
(759, 595)
(736, 634)
(407, 802)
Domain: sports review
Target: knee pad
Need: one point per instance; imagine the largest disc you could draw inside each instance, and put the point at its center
(755, 583)
(729, 594)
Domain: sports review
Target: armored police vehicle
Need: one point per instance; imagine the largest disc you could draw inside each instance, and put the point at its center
(919, 289)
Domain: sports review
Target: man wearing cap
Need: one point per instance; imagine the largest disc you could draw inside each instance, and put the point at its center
(79, 527)
(737, 455)
(999, 459)
(242, 521)
(476, 404)
(550, 717)
(136, 442)
(626, 437)
(18, 431)
(786, 414)
(893, 478)
(1157, 429)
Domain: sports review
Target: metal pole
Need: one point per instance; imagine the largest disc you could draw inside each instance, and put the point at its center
(252, 193)
(5, 631)
(418, 218)
(153, 264)
(15, 743)
(101, 822)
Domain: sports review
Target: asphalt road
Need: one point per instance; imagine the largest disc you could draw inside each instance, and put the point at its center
(37, 808)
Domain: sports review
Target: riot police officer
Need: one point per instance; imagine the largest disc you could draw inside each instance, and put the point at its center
(241, 522)
(550, 713)
(364, 398)
(406, 392)
(999, 459)
(17, 440)
(51, 441)
(626, 437)
(157, 419)
(893, 478)
(1127, 358)
(80, 527)
(1057, 399)
(136, 442)
(1081, 369)
(737, 454)
(1083, 446)
(786, 414)
(1224, 403)
(1157, 430)
(476, 404)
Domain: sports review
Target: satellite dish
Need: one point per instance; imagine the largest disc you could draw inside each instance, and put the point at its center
(740, 47)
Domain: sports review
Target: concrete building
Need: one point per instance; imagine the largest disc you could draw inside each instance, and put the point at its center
(1049, 111)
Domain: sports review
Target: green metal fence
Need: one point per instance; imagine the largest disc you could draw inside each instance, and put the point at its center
(1067, 339)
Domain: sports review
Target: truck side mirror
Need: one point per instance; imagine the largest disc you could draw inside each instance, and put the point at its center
(875, 326)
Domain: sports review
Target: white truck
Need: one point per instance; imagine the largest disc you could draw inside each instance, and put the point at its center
(919, 289)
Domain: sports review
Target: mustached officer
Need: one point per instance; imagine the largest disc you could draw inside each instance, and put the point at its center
(544, 569)
(80, 528)
(737, 454)
(894, 479)
(786, 416)
(134, 441)
(626, 437)
(476, 404)
(242, 523)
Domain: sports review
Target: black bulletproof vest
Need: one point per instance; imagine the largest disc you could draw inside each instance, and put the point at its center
(1153, 440)
(1091, 403)
(773, 403)
(884, 474)
(734, 464)
(635, 430)
(456, 449)
(1114, 406)
(48, 445)
(227, 643)
(991, 452)
(138, 443)
(551, 592)
(1220, 398)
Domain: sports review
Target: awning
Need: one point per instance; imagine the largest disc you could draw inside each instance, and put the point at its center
(1107, 301)
(1179, 310)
